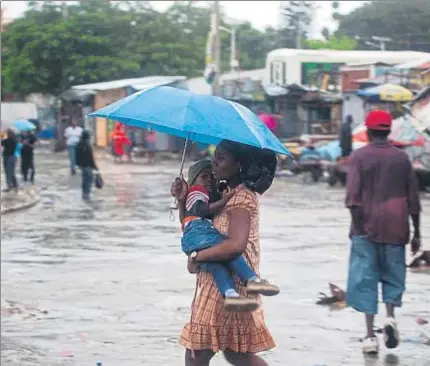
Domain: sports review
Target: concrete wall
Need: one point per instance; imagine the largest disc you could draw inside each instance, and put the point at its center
(103, 98)
(353, 105)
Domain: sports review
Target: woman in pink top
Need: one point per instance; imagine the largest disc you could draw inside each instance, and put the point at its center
(270, 121)
(151, 140)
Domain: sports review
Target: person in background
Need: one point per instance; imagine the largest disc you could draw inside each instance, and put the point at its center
(131, 133)
(72, 135)
(151, 140)
(270, 120)
(345, 136)
(27, 156)
(119, 140)
(381, 194)
(9, 145)
(85, 161)
(18, 149)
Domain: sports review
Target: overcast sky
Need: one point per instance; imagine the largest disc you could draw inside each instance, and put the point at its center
(259, 13)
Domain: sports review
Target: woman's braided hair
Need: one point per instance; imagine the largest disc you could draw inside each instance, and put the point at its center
(258, 166)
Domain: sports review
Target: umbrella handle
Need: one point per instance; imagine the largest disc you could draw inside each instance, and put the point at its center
(174, 204)
(183, 155)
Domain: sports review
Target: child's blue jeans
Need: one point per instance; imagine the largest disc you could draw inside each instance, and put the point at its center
(201, 234)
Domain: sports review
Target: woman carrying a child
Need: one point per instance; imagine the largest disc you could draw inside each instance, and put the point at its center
(239, 334)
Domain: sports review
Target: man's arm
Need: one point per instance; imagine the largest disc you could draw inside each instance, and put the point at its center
(414, 204)
(353, 199)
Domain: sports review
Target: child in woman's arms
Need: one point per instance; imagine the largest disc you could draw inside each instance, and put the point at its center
(199, 233)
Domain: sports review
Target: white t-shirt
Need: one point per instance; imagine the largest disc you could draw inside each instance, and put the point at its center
(72, 135)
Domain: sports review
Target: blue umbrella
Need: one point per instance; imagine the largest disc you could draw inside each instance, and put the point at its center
(24, 125)
(202, 118)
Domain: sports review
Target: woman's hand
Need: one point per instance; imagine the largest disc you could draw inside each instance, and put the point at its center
(179, 189)
(192, 265)
(227, 194)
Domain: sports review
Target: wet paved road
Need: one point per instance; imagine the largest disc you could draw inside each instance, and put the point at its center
(108, 281)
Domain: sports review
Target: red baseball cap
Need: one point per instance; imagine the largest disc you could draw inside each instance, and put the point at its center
(379, 120)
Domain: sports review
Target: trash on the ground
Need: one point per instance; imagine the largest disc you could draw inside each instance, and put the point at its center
(425, 330)
(66, 354)
(422, 321)
(420, 260)
(13, 308)
(337, 297)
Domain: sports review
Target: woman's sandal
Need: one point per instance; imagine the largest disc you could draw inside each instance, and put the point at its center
(239, 304)
(261, 287)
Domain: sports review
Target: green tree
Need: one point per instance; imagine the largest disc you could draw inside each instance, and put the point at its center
(296, 20)
(406, 23)
(53, 47)
(332, 43)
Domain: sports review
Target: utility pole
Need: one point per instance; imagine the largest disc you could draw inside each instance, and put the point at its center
(382, 41)
(217, 48)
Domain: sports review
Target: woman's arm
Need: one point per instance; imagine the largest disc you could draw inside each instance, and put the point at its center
(179, 190)
(181, 209)
(235, 244)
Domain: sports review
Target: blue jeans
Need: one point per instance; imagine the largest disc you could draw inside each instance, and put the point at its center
(72, 157)
(369, 264)
(9, 164)
(201, 234)
(87, 182)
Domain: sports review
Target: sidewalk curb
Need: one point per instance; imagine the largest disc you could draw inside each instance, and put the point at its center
(32, 199)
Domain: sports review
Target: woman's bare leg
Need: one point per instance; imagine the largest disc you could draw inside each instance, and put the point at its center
(243, 359)
(202, 358)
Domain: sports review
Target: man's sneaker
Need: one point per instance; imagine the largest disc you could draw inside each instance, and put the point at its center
(391, 334)
(261, 287)
(239, 304)
(370, 346)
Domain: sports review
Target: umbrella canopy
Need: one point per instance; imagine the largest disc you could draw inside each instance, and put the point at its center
(202, 118)
(387, 93)
(24, 125)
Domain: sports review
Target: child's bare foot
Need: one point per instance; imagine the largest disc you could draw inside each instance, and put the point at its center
(240, 303)
(262, 287)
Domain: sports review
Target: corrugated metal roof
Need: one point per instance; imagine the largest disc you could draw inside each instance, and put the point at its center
(415, 64)
(257, 74)
(200, 86)
(136, 83)
(348, 56)
(381, 79)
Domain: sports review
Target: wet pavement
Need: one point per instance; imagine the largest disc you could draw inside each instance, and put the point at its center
(107, 281)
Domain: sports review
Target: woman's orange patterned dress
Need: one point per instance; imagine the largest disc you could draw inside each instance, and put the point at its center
(212, 328)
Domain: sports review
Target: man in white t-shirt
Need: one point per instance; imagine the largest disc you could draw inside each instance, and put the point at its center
(72, 134)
